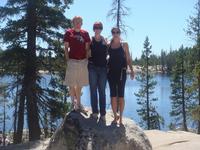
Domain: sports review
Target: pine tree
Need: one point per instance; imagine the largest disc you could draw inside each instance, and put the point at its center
(194, 32)
(181, 97)
(28, 23)
(170, 60)
(150, 118)
(118, 12)
(12, 64)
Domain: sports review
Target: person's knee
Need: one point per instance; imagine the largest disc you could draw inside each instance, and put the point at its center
(93, 82)
(121, 94)
(92, 78)
(121, 90)
(102, 92)
(113, 94)
(78, 89)
(72, 91)
(102, 85)
(121, 99)
(93, 86)
(114, 99)
(113, 91)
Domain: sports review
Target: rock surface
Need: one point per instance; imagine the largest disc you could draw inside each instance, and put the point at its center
(170, 140)
(34, 145)
(80, 132)
(173, 140)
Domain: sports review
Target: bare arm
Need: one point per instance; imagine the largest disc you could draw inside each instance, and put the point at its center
(88, 52)
(66, 51)
(128, 58)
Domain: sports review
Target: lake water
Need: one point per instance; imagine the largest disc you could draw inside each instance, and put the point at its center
(162, 92)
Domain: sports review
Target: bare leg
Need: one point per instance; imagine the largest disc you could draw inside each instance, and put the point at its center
(73, 95)
(121, 108)
(78, 95)
(114, 108)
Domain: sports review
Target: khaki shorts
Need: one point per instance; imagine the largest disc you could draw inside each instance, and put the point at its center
(76, 73)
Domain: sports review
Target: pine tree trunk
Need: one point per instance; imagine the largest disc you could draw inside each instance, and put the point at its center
(20, 122)
(31, 74)
(15, 113)
(46, 125)
(15, 123)
(198, 131)
(183, 96)
(147, 85)
(4, 120)
(118, 13)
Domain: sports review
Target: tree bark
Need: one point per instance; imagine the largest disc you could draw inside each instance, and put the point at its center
(31, 74)
(20, 122)
(147, 85)
(4, 120)
(183, 95)
(118, 13)
(15, 115)
(198, 130)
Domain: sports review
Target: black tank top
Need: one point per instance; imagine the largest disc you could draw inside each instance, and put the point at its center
(117, 60)
(98, 53)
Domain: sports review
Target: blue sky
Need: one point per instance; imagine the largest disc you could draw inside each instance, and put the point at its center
(163, 21)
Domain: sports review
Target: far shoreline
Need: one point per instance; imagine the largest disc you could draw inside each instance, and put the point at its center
(136, 68)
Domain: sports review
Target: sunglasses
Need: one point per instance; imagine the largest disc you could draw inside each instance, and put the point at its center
(97, 28)
(115, 32)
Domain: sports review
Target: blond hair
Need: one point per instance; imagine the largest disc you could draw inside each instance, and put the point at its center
(77, 18)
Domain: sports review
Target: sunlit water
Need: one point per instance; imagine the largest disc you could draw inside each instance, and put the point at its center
(162, 92)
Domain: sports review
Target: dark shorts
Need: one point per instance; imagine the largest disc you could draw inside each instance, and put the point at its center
(117, 82)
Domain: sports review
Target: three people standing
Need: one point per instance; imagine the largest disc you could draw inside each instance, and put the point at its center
(77, 45)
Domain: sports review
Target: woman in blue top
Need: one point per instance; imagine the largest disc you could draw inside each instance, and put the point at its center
(98, 72)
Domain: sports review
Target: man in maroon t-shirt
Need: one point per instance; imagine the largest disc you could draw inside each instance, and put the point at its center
(77, 43)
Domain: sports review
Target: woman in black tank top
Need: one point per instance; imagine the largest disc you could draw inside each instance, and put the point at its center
(98, 73)
(119, 58)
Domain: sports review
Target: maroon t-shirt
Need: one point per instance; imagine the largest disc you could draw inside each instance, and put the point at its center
(77, 43)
